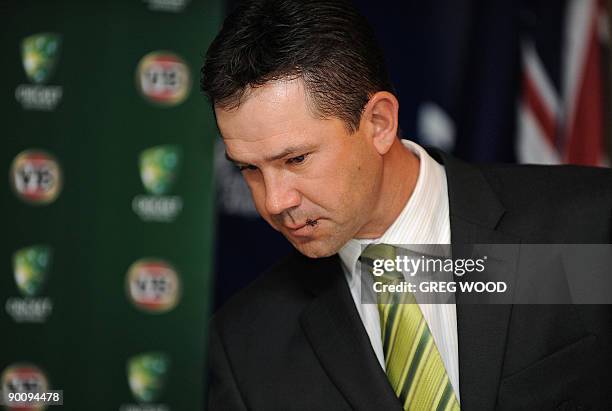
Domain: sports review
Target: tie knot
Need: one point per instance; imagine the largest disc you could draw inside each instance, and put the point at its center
(379, 252)
(375, 257)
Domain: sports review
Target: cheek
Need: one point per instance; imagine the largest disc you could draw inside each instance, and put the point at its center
(343, 192)
(338, 183)
(361, 182)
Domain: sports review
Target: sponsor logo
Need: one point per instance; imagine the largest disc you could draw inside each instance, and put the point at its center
(30, 268)
(24, 378)
(163, 78)
(146, 374)
(36, 177)
(173, 6)
(153, 285)
(159, 167)
(39, 56)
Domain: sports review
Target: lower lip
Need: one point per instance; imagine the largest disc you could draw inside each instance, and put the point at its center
(305, 231)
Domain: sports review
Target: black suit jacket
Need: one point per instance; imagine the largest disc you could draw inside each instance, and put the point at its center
(293, 340)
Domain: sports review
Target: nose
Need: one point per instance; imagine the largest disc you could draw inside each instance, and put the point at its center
(281, 195)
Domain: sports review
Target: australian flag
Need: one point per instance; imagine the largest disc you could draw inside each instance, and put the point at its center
(564, 56)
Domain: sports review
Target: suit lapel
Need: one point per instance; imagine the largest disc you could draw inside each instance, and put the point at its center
(475, 211)
(336, 334)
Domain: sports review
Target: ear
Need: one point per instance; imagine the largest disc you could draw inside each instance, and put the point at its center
(380, 116)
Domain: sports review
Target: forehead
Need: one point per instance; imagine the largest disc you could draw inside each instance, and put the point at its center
(270, 117)
(275, 106)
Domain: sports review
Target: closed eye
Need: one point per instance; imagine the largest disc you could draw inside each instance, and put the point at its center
(243, 167)
(298, 159)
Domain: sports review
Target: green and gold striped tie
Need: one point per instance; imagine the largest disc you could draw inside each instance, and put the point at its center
(413, 364)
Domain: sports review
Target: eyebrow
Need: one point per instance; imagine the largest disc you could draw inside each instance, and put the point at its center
(287, 151)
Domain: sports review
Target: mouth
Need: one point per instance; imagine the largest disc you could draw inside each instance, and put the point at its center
(303, 230)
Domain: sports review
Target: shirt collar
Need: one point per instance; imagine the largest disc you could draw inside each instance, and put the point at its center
(423, 220)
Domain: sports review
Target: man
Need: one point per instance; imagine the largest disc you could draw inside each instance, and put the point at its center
(306, 111)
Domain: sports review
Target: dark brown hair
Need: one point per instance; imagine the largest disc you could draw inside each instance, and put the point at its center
(326, 43)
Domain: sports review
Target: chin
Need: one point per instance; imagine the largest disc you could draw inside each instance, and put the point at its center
(316, 248)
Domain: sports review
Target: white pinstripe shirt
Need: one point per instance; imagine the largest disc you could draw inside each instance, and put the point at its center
(424, 220)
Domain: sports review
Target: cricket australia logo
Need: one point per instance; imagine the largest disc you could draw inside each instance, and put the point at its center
(146, 375)
(159, 167)
(30, 270)
(39, 56)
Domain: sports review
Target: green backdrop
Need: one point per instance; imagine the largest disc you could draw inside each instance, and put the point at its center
(107, 208)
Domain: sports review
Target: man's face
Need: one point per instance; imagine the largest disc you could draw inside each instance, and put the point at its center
(310, 178)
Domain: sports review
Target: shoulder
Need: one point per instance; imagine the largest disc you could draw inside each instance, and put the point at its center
(573, 202)
(520, 186)
(528, 186)
(557, 181)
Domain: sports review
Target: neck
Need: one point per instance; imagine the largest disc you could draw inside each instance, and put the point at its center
(399, 178)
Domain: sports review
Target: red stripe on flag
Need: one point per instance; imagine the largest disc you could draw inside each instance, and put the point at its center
(585, 138)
